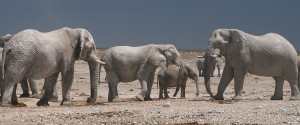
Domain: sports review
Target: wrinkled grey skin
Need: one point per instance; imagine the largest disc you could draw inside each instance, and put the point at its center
(168, 78)
(200, 66)
(126, 64)
(24, 83)
(266, 55)
(36, 55)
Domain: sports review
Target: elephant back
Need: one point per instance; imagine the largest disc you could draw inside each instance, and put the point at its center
(172, 73)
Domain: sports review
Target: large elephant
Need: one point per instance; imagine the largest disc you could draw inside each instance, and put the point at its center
(266, 55)
(168, 78)
(24, 83)
(216, 62)
(126, 64)
(35, 55)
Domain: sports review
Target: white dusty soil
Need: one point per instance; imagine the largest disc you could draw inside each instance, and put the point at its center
(256, 109)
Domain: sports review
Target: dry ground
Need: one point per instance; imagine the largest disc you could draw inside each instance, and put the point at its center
(257, 109)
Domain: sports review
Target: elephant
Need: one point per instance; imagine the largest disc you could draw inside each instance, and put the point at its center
(24, 83)
(268, 55)
(168, 78)
(126, 64)
(43, 55)
(200, 66)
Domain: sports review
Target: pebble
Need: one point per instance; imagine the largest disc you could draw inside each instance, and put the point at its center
(168, 104)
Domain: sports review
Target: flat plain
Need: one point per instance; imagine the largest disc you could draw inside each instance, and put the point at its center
(256, 109)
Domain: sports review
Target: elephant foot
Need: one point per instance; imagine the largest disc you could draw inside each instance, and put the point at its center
(42, 102)
(218, 97)
(219, 75)
(139, 97)
(274, 97)
(238, 98)
(66, 103)
(182, 97)
(90, 100)
(295, 97)
(148, 99)
(167, 97)
(25, 94)
(117, 99)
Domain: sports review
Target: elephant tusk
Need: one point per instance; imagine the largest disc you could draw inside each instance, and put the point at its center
(100, 62)
(199, 56)
(214, 55)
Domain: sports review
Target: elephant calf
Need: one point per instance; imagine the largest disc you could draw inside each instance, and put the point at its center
(216, 63)
(168, 78)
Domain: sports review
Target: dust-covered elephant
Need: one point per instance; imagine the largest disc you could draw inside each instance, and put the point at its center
(266, 55)
(24, 83)
(43, 55)
(168, 78)
(200, 65)
(126, 64)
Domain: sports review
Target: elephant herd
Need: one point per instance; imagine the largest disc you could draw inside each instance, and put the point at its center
(30, 55)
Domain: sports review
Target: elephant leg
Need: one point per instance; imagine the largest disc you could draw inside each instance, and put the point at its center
(165, 87)
(160, 91)
(10, 83)
(113, 81)
(14, 100)
(55, 95)
(143, 81)
(32, 85)
(183, 86)
(294, 90)
(213, 71)
(67, 80)
(278, 93)
(239, 77)
(49, 84)
(24, 86)
(149, 87)
(219, 74)
(224, 82)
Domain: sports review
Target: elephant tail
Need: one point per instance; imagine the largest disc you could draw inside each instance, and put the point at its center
(4, 52)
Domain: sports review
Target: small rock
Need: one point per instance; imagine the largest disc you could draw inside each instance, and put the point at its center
(168, 104)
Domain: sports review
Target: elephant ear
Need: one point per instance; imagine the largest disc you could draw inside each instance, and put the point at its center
(80, 43)
(237, 40)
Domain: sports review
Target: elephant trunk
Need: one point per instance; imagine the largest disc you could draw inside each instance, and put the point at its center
(94, 75)
(207, 71)
(197, 85)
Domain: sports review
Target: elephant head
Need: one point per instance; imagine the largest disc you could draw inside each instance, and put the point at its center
(86, 50)
(171, 54)
(222, 42)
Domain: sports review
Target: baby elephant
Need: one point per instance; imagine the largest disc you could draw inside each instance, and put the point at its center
(168, 78)
(200, 65)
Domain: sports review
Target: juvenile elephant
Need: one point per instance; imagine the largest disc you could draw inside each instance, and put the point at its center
(126, 64)
(168, 78)
(216, 62)
(35, 55)
(266, 55)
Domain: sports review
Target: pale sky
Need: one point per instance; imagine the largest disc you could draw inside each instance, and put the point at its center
(185, 23)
